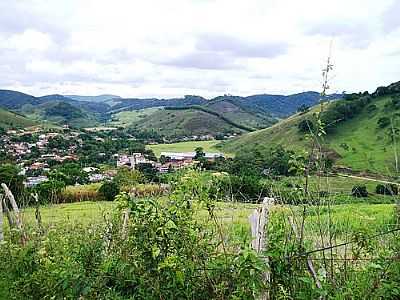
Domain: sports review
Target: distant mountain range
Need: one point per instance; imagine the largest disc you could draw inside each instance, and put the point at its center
(252, 112)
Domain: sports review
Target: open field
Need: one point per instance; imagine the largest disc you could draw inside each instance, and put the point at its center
(208, 146)
(359, 216)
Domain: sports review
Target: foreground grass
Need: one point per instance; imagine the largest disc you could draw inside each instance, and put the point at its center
(208, 146)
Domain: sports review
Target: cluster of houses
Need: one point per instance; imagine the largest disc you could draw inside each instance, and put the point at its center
(19, 144)
(22, 148)
(173, 160)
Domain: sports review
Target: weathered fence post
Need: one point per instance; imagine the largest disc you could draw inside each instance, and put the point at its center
(1, 218)
(7, 213)
(259, 228)
(18, 220)
(125, 216)
(38, 216)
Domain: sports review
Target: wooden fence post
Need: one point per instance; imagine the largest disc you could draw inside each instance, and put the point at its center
(1, 218)
(18, 220)
(38, 216)
(125, 221)
(259, 228)
(10, 218)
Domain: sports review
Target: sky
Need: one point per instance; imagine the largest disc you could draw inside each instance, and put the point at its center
(171, 48)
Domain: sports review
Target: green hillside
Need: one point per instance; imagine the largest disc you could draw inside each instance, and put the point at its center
(237, 112)
(61, 113)
(186, 122)
(126, 118)
(362, 140)
(12, 120)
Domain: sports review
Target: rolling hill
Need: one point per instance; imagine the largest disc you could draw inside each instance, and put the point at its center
(359, 132)
(54, 108)
(10, 119)
(186, 122)
(275, 105)
(243, 113)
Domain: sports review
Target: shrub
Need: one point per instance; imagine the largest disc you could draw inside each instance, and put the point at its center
(387, 189)
(128, 178)
(359, 191)
(109, 190)
(50, 191)
(383, 122)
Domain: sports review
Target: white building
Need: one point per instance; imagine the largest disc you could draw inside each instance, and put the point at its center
(189, 155)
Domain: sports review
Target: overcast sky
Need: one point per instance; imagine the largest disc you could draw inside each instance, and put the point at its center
(168, 48)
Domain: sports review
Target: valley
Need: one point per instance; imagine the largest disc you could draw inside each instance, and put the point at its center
(184, 178)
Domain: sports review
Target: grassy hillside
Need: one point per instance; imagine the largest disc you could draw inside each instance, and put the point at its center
(126, 118)
(12, 120)
(186, 122)
(359, 142)
(246, 116)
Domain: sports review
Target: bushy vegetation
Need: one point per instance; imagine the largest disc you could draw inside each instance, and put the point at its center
(160, 251)
(359, 191)
(387, 189)
(342, 111)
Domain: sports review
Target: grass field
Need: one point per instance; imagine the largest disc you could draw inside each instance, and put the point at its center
(208, 146)
(359, 215)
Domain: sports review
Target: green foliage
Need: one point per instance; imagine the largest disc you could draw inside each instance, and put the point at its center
(163, 252)
(50, 191)
(70, 174)
(383, 122)
(9, 175)
(128, 178)
(245, 188)
(387, 189)
(149, 172)
(109, 190)
(359, 191)
(64, 110)
(342, 111)
(276, 161)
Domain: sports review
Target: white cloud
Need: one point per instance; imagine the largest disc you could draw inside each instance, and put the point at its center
(207, 47)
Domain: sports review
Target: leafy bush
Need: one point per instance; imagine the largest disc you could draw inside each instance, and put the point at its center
(50, 191)
(383, 122)
(109, 190)
(359, 191)
(128, 178)
(387, 189)
(240, 188)
(9, 174)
